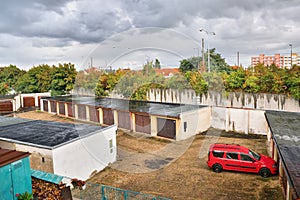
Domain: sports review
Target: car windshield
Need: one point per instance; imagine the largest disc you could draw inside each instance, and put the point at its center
(254, 154)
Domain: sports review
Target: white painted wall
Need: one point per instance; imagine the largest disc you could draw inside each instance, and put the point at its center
(233, 99)
(79, 159)
(239, 120)
(197, 121)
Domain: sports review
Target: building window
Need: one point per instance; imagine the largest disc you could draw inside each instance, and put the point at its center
(43, 160)
(184, 126)
(111, 146)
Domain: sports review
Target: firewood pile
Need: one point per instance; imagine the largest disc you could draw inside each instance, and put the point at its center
(46, 190)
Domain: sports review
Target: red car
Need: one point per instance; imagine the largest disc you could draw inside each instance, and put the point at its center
(239, 158)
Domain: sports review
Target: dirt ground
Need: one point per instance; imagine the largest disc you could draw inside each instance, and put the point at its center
(187, 176)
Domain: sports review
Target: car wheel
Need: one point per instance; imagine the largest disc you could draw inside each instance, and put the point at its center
(264, 172)
(217, 168)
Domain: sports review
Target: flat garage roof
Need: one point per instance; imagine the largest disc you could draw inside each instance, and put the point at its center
(285, 128)
(149, 107)
(45, 134)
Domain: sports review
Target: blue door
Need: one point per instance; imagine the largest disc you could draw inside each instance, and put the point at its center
(6, 187)
(15, 179)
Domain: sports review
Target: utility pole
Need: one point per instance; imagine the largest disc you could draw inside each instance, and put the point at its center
(203, 60)
(208, 56)
(291, 55)
(238, 59)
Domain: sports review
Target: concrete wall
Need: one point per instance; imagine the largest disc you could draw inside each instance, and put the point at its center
(234, 99)
(196, 122)
(239, 120)
(81, 158)
(40, 158)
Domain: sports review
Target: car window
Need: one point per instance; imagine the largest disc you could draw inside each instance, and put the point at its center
(245, 157)
(232, 155)
(218, 154)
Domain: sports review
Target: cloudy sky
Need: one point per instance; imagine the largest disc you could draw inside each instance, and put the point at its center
(127, 33)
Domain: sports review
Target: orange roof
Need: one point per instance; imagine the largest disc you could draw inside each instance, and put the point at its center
(167, 71)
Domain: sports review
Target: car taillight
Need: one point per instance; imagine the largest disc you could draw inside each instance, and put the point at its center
(274, 165)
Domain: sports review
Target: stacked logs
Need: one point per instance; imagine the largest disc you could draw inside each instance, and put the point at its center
(46, 190)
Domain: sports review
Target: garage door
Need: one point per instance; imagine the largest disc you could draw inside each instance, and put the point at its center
(143, 123)
(61, 106)
(45, 105)
(166, 128)
(108, 117)
(82, 112)
(6, 106)
(71, 109)
(28, 102)
(53, 106)
(94, 114)
(124, 120)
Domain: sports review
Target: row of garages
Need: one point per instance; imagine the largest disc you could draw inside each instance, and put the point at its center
(12, 103)
(284, 141)
(152, 118)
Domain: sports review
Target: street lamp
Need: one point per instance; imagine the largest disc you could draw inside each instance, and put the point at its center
(208, 53)
(290, 45)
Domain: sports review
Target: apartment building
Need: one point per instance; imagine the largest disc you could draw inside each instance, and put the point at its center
(282, 61)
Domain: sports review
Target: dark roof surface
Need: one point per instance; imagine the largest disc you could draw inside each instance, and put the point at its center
(153, 108)
(285, 128)
(9, 156)
(44, 133)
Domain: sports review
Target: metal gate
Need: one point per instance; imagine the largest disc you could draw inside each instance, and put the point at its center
(166, 128)
(104, 192)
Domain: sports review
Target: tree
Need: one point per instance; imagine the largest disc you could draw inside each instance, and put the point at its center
(157, 64)
(197, 82)
(37, 79)
(63, 78)
(235, 80)
(217, 63)
(190, 64)
(108, 81)
(3, 88)
(10, 75)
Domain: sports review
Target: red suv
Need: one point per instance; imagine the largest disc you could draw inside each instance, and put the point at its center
(239, 158)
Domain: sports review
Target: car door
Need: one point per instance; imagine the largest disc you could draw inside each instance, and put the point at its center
(232, 162)
(248, 164)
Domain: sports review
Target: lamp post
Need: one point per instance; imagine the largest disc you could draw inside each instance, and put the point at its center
(290, 45)
(208, 52)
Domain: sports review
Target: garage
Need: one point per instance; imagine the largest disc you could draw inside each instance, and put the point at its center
(71, 109)
(94, 114)
(143, 123)
(82, 112)
(124, 120)
(53, 106)
(6, 106)
(45, 106)
(28, 102)
(166, 128)
(108, 117)
(61, 106)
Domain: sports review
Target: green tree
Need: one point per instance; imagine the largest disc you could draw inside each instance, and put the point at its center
(157, 64)
(251, 84)
(235, 80)
(293, 82)
(108, 81)
(217, 63)
(37, 79)
(10, 75)
(63, 78)
(3, 88)
(190, 64)
(199, 85)
(215, 81)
